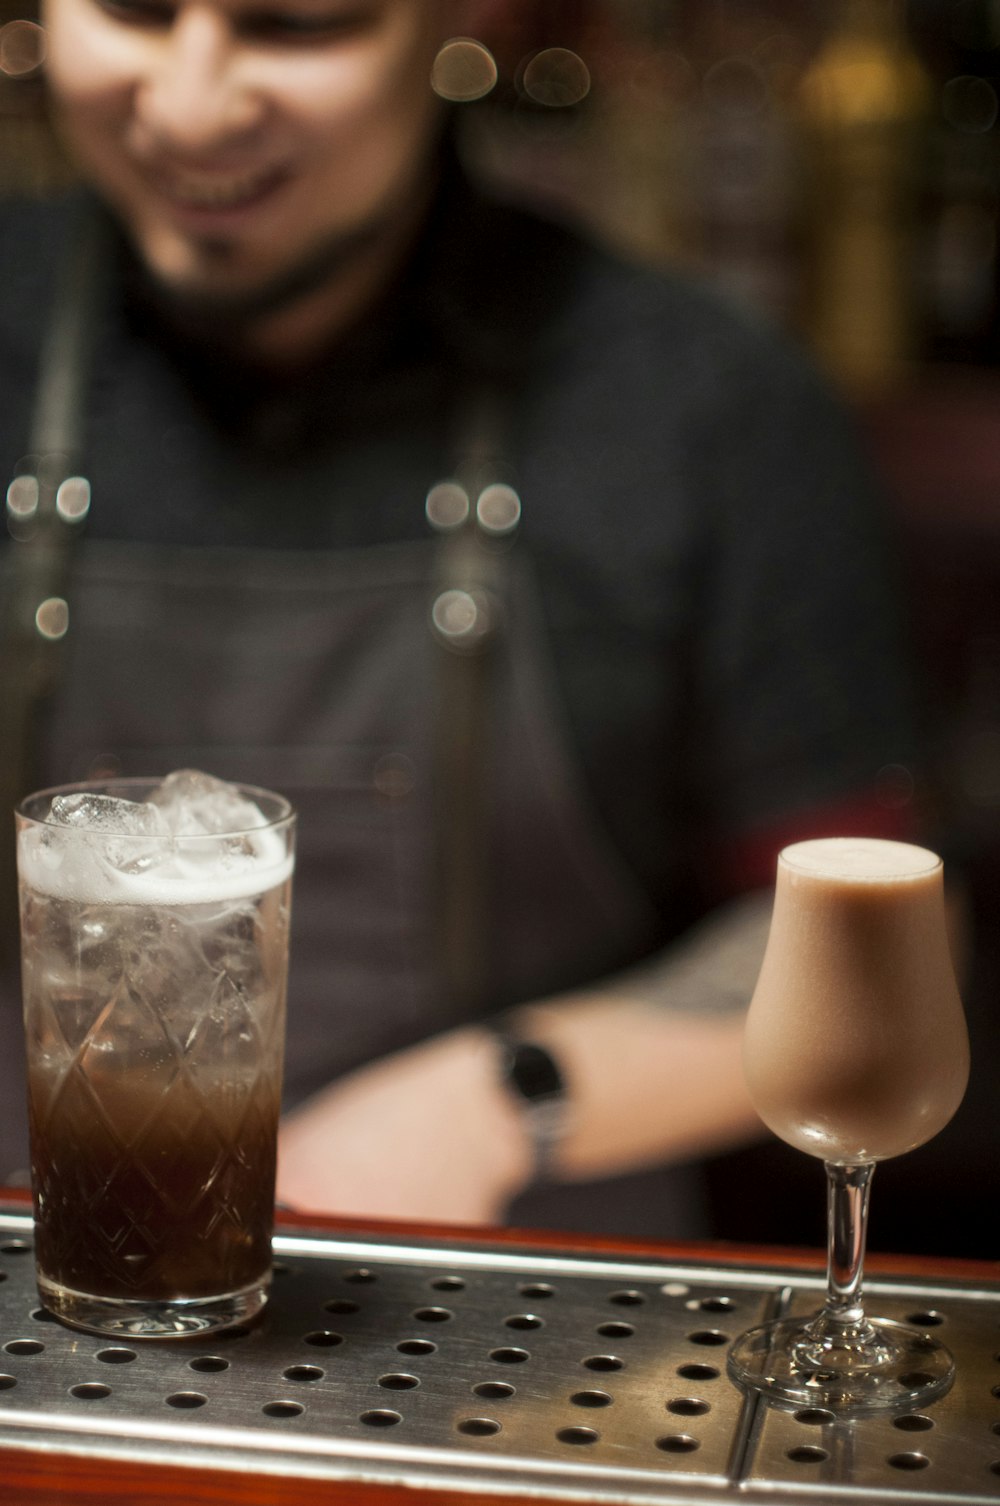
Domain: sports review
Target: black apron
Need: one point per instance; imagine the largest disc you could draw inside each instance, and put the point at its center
(316, 674)
(319, 675)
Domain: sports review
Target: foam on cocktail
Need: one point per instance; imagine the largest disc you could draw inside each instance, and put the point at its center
(860, 859)
(195, 840)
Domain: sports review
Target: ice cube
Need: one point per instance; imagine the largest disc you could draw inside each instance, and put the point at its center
(89, 811)
(196, 804)
(134, 837)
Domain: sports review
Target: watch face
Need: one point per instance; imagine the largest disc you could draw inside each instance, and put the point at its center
(533, 1071)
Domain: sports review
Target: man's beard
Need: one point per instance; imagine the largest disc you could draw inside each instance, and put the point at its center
(231, 311)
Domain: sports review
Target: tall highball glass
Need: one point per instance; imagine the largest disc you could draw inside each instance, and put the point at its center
(154, 944)
(856, 1050)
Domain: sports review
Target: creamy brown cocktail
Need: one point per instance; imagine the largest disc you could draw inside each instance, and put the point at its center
(856, 1046)
(855, 1050)
(154, 923)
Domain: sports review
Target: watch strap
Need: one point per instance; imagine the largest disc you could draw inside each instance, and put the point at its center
(533, 1077)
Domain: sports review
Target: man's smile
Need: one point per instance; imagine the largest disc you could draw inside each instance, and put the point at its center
(213, 189)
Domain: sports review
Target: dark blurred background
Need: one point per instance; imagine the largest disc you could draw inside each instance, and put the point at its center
(835, 165)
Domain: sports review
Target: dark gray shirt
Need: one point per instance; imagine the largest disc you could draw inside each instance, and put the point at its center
(711, 571)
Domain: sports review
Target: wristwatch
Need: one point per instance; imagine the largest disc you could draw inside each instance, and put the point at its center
(532, 1076)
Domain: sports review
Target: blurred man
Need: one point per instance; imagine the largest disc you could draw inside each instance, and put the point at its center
(539, 750)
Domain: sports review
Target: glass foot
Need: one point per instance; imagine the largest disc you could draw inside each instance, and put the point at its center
(134, 1318)
(878, 1364)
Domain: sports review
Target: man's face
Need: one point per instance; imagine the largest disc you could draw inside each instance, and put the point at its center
(241, 140)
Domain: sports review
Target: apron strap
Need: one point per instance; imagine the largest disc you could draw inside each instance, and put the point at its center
(476, 518)
(45, 505)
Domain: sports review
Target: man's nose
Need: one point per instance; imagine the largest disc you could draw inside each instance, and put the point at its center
(193, 95)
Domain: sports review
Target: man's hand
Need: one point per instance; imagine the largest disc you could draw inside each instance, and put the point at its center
(428, 1133)
(652, 1064)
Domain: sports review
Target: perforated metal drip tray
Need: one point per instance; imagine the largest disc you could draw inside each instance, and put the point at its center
(490, 1370)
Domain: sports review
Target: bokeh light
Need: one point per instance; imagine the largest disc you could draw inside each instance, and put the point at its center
(447, 506)
(498, 509)
(464, 70)
(556, 77)
(969, 103)
(22, 49)
(73, 499)
(52, 618)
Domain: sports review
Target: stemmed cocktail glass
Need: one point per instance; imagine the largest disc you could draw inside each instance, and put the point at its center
(856, 1050)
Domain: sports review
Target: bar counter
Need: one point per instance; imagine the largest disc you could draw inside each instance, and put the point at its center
(444, 1366)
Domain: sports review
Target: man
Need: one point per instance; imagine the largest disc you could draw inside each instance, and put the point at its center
(689, 654)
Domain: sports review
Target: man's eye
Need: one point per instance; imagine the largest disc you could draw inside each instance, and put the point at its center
(140, 12)
(267, 25)
(280, 24)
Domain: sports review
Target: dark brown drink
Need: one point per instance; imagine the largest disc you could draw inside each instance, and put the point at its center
(153, 967)
(177, 1206)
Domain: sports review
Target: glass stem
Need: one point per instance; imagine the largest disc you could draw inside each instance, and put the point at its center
(848, 1189)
